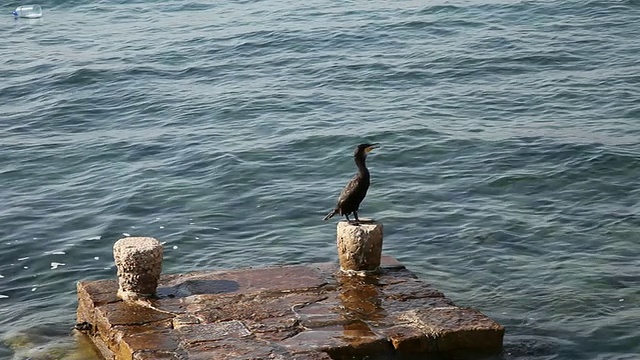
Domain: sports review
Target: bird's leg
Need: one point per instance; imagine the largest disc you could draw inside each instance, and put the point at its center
(347, 216)
(355, 214)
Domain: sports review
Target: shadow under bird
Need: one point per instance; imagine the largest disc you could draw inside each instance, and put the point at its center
(355, 191)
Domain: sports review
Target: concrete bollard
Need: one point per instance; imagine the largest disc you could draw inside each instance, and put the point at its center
(359, 246)
(139, 262)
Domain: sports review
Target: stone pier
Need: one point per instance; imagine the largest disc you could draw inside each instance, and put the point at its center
(298, 312)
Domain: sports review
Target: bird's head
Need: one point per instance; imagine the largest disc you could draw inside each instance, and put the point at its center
(363, 149)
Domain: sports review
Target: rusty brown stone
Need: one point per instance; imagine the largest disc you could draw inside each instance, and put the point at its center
(397, 309)
(176, 306)
(354, 339)
(103, 348)
(107, 317)
(326, 313)
(235, 349)
(130, 313)
(199, 333)
(274, 329)
(98, 292)
(410, 289)
(408, 340)
(185, 320)
(268, 305)
(123, 330)
(85, 314)
(311, 356)
(92, 294)
(245, 282)
(287, 312)
(458, 329)
(164, 341)
(361, 301)
(157, 355)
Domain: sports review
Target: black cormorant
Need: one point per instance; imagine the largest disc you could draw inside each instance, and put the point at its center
(355, 191)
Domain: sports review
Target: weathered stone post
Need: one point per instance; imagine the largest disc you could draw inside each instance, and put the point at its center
(359, 246)
(139, 262)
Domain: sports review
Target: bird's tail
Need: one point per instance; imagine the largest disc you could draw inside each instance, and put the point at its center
(330, 214)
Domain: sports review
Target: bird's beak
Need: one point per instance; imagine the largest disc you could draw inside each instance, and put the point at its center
(373, 146)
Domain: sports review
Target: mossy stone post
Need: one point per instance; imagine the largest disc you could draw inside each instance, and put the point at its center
(359, 246)
(139, 262)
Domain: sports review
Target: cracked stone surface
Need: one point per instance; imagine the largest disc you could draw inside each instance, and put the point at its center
(284, 312)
